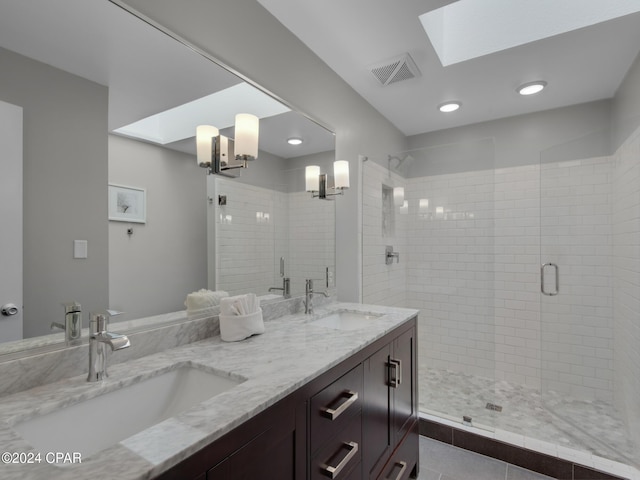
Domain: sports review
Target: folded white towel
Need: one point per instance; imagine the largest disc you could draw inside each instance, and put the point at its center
(240, 317)
(204, 299)
(234, 328)
(239, 305)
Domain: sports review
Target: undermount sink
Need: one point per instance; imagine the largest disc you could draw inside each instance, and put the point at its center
(345, 320)
(99, 422)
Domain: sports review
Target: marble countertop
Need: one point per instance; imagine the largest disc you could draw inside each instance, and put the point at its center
(292, 351)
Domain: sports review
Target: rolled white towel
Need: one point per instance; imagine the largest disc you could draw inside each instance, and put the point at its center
(204, 299)
(239, 305)
(234, 328)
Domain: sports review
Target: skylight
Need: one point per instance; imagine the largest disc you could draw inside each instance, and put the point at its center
(217, 109)
(468, 29)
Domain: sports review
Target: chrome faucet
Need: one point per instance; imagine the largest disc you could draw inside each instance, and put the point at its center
(286, 288)
(72, 325)
(99, 338)
(308, 297)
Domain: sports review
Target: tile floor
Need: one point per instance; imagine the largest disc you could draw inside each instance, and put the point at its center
(439, 461)
(592, 427)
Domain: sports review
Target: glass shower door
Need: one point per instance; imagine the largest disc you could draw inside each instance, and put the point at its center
(576, 299)
(443, 229)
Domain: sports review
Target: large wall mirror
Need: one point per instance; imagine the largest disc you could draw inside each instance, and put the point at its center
(78, 80)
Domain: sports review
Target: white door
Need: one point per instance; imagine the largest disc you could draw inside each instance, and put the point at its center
(10, 222)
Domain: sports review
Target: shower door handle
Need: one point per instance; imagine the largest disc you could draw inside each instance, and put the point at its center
(557, 286)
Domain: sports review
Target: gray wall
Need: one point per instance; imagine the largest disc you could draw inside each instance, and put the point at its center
(626, 105)
(595, 128)
(246, 37)
(626, 220)
(153, 270)
(65, 167)
(515, 141)
(264, 172)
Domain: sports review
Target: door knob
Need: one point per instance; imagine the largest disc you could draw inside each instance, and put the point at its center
(9, 309)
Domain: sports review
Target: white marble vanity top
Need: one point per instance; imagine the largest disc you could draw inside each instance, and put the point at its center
(291, 352)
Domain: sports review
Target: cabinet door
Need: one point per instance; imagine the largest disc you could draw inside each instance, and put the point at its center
(266, 457)
(403, 389)
(376, 412)
(403, 464)
(219, 471)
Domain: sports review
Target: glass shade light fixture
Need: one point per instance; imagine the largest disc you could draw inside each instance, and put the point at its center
(294, 141)
(531, 88)
(449, 107)
(312, 178)
(316, 182)
(246, 141)
(204, 144)
(223, 155)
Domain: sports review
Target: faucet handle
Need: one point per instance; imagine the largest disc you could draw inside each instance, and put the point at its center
(106, 313)
(100, 320)
(72, 307)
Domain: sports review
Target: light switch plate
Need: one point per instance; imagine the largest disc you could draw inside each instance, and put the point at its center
(80, 249)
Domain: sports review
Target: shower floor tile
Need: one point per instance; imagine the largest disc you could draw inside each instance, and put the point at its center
(593, 427)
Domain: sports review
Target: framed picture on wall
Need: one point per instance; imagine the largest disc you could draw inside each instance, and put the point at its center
(127, 204)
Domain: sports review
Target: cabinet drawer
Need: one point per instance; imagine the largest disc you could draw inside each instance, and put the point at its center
(341, 454)
(404, 459)
(332, 407)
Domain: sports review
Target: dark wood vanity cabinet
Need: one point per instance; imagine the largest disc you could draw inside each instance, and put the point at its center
(269, 456)
(356, 421)
(335, 427)
(390, 410)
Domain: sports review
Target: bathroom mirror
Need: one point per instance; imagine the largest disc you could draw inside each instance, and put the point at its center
(264, 235)
(81, 71)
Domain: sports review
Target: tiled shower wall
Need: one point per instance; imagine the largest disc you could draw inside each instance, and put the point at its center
(450, 269)
(577, 324)
(311, 241)
(626, 283)
(245, 237)
(471, 261)
(382, 284)
(517, 275)
(258, 226)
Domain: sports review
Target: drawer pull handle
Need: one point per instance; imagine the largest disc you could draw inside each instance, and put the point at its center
(333, 472)
(396, 379)
(403, 467)
(335, 413)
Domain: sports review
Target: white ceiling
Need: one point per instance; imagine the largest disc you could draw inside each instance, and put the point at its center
(147, 72)
(350, 36)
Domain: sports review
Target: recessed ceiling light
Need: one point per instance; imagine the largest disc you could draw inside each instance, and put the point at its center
(531, 88)
(449, 107)
(294, 141)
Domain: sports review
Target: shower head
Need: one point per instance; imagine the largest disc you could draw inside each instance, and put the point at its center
(401, 160)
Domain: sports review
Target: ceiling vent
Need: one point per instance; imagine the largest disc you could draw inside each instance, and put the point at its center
(395, 70)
